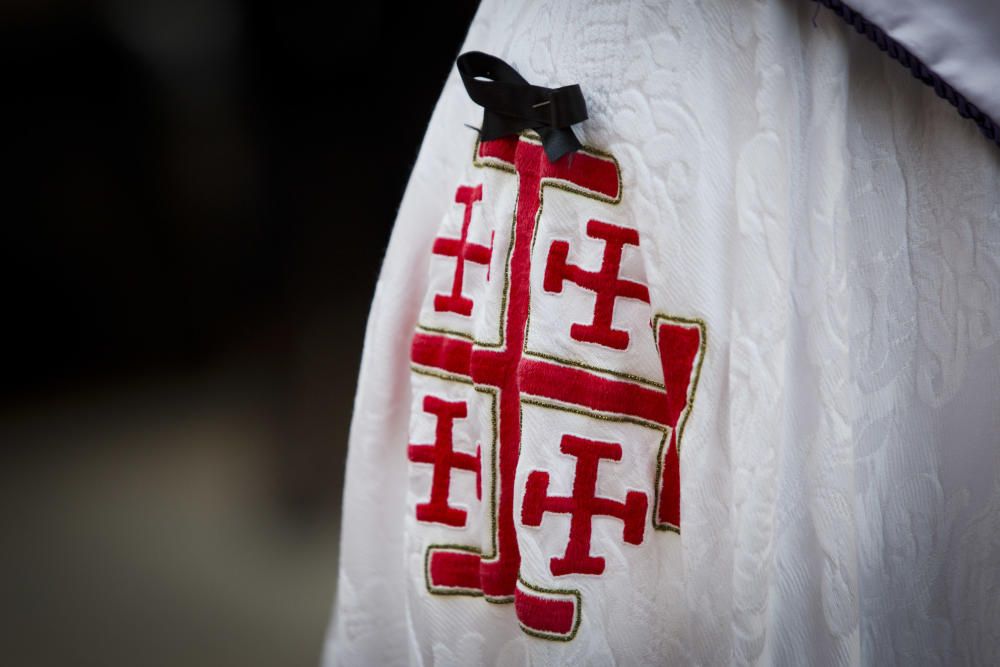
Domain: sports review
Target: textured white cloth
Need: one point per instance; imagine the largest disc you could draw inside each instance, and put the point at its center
(837, 229)
(959, 40)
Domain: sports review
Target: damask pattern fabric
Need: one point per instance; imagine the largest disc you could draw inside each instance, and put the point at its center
(957, 40)
(722, 388)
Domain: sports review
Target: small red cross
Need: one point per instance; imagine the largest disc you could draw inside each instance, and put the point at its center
(605, 283)
(583, 505)
(463, 251)
(444, 458)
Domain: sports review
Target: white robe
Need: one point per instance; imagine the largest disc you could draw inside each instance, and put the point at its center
(827, 228)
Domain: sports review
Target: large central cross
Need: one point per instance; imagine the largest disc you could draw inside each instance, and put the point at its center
(512, 377)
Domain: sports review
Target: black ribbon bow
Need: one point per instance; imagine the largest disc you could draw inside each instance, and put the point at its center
(511, 104)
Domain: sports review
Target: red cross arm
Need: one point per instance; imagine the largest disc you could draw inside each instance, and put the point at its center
(451, 355)
(447, 247)
(575, 386)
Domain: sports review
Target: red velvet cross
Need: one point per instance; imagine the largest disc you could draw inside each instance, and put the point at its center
(505, 372)
(463, 251)
(605, 283)
(444, 458)
(583, 505)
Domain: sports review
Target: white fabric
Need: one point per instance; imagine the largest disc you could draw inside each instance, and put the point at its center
(958, 39)
(837, 227)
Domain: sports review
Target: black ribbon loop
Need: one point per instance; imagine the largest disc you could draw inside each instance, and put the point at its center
(511, 104)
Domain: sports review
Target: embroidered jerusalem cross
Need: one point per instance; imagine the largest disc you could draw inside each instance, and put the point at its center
(605, 283)
(509, 377)
(463, 251)
(444, 458)
(583, 505)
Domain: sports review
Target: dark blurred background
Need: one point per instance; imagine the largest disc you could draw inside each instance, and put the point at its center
(196, 198)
